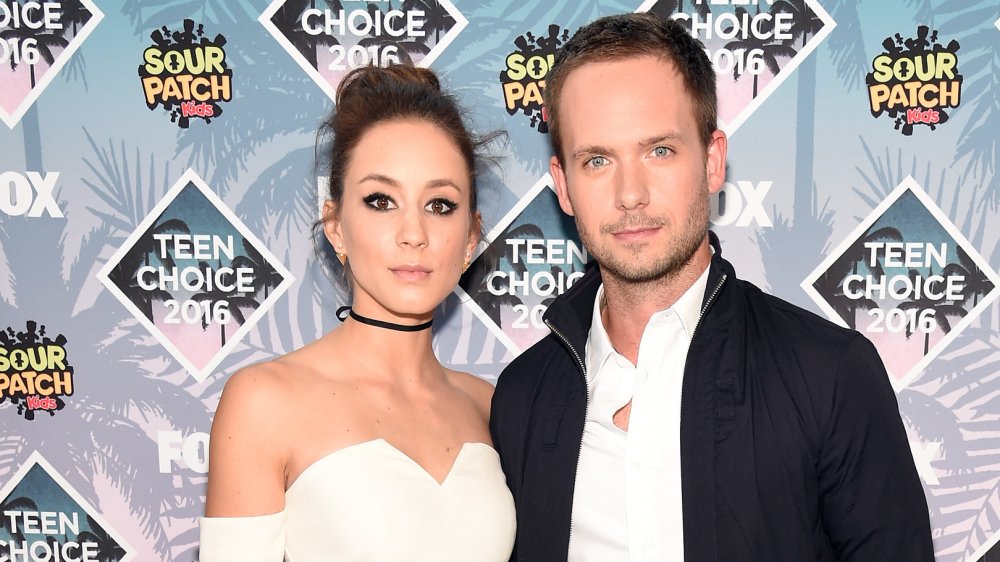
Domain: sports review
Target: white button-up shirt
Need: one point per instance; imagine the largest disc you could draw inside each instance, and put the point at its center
(627, 501)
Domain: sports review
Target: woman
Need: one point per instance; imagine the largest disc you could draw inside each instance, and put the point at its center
(361, 445)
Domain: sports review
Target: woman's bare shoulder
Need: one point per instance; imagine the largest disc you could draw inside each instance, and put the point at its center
(477, 389)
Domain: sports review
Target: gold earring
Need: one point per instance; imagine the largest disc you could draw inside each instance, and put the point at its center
(342, 258)
(465, 266)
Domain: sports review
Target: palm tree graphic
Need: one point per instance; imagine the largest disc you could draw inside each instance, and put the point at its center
(769, 49)
(74, 15)
(7, 523)
(45, 40)
(104, 433)
(436, 17)
(490, 261)
(141, 297)
(667, 8)
(805, 23)
(235, 301)
(976, 282)
(125, 274)
(108, 550)
(265, 275)
(942, 308)
(813, 222)
(381, 39)
(288, 19)
(831, 284)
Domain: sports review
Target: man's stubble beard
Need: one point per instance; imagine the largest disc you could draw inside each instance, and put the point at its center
(634, 268)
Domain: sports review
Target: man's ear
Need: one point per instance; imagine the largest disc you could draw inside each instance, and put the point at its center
(332, 227)
(715, 162)
(562, 192)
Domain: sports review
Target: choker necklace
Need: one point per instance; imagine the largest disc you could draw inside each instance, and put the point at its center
(381, 323)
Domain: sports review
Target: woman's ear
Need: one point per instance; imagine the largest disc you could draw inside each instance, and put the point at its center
(475, 232)
(332, 227)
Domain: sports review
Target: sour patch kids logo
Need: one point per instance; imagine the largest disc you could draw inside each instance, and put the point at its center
(34, 371)
(523, 79)
(186, 73)
(915, 80)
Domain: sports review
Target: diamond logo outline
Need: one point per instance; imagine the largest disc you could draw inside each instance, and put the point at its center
(190, 177)
(804, 52)
(544, 182)
(13, 118)
(329, 89)
(908, 184)
(36, 459)
(993, 541)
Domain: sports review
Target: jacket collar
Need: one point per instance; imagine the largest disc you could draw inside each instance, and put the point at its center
(572, 312)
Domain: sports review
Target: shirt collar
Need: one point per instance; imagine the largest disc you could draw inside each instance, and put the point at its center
(687, 308)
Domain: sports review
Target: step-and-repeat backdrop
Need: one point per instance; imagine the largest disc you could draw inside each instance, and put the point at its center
(159, 181)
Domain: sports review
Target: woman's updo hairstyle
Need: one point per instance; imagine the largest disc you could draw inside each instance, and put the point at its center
(371, 95)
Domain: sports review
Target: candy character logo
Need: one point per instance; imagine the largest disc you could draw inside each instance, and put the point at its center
(523, 78)
(186, 73)
(35, 373)
(915, 81)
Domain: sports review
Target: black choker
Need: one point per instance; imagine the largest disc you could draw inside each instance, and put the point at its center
(381, 323)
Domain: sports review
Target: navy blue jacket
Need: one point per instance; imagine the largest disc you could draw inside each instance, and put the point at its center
(792, 447)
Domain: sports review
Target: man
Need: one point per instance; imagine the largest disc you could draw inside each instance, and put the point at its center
(676, 412)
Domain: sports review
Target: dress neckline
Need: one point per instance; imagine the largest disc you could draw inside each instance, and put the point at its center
(398, 452)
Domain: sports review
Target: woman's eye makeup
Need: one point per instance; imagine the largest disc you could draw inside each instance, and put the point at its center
(379, 201)
(441, 206)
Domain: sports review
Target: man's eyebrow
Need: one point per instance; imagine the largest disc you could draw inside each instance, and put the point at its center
(656, 139)
(591, 149)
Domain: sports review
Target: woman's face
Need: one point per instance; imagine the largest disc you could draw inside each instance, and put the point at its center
(405, 222)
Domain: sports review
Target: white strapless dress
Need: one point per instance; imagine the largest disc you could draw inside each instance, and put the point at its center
(371, 502)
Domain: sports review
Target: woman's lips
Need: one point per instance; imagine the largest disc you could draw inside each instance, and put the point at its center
(411, 272)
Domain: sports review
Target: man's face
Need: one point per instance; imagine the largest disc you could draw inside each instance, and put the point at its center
(636, 175)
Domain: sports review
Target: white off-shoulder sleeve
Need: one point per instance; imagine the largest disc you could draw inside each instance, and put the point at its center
(258, 538)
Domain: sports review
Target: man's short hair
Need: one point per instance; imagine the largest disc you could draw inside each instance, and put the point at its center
(628, 36)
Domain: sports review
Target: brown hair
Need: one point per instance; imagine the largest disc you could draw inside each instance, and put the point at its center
(371, 95)
(630, 36)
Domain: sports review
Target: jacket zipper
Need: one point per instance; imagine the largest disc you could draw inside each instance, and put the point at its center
(586, 409)
(704, 309)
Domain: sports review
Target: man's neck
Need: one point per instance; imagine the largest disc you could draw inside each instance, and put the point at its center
(627, 306)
